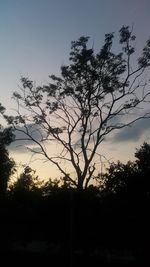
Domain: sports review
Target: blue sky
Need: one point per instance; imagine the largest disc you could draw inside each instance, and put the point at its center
(35, 38)
(35, 35)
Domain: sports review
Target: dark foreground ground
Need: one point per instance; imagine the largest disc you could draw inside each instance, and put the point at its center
(70, 230)
(101, 257)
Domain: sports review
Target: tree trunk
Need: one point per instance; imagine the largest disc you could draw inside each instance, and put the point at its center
(80, 184)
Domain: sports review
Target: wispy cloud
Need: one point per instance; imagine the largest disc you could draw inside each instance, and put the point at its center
(20, 145)
(133, 133)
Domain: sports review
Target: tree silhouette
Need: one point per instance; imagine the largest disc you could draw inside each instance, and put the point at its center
(7, 165)
(119, 177)
(131, 178)
(143, 158)
(27, 183)
(143, 162)
(94, 96)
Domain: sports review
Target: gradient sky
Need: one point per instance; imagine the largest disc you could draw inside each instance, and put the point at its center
(35, 38)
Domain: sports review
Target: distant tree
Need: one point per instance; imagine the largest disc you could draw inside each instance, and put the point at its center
(119, 176)
(95, 95)
(2, 109)
(132, 177)
(6, 134)
(7, 168)
(51, 186)
(143, 158)
(26, 183)
(7, 165)
(143, 163)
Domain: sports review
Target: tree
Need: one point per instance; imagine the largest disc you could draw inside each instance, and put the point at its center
(95, 95)
(26, 183)
(7, 165)
(132, 177)
(120, 177)
(6, 134)
(143, 163)
(143, 158)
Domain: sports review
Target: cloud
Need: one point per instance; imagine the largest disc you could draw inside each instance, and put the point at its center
(20, 145)
(133, 133)
(128, 134)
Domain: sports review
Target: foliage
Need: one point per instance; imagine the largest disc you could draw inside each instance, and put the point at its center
(49, 187)
(26, 183)
(132, 177)
(6, 134)
(143, 157)
(7, 168)
(94, 96)
(2, 109)
(143, 162)
(7, 165)
(119, 176)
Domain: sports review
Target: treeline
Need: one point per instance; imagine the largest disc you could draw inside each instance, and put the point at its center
(123, 180)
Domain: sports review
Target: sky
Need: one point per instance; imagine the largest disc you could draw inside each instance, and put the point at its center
(35, 38)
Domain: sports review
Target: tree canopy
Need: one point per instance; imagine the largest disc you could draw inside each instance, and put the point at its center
(97, 93)
(131, 178)
(7, 165)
